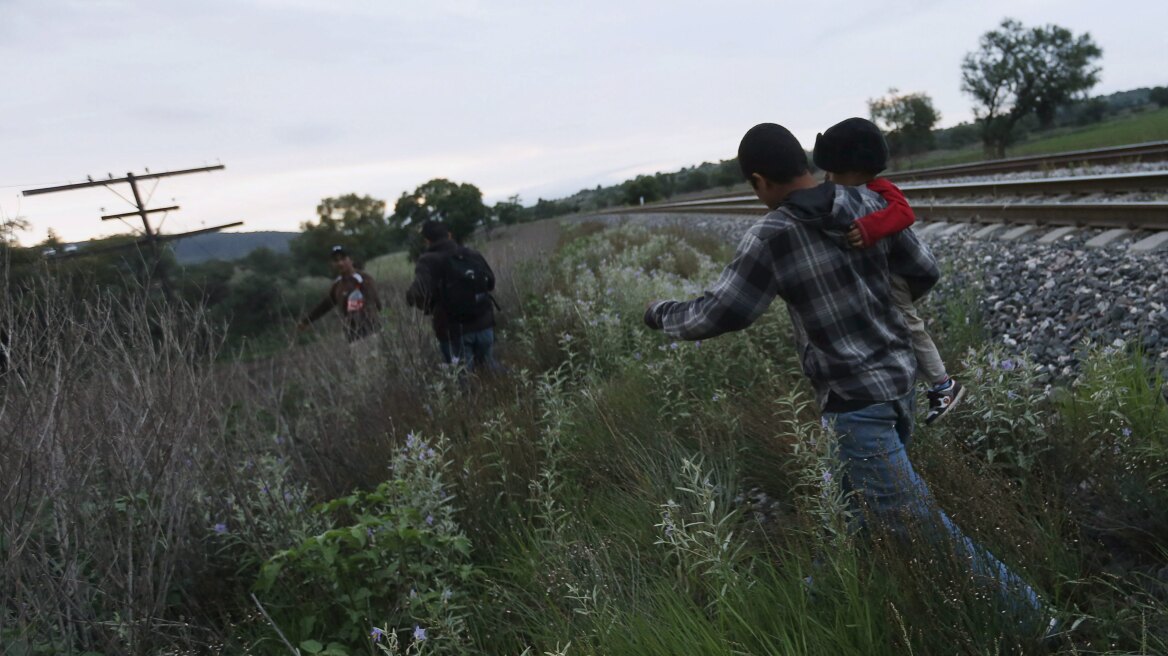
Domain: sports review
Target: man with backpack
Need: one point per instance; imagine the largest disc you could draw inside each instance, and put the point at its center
(453, 284)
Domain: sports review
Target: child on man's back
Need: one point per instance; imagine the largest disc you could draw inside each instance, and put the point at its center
(854, 152)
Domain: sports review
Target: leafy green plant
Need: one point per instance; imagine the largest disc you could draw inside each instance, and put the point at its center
(1009, 425)
(698, 532)
(395, 552)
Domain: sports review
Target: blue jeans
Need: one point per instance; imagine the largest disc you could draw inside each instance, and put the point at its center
(871, 452)
(471, 349)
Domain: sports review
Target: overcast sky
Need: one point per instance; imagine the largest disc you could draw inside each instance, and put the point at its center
(304, 99)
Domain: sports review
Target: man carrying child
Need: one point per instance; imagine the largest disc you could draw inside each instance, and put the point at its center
(853, 342)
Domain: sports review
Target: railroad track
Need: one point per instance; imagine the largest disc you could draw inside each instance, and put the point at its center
(1055, 201)
(1151, 151)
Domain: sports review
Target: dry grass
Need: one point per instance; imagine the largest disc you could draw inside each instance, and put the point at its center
(124, 441)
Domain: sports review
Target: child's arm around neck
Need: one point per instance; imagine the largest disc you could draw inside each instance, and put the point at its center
(888, 221)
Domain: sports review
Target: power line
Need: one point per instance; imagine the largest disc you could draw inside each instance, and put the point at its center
(152, 238)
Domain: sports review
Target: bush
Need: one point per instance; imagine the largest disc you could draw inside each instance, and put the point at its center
(1159, 95)
(394, 557)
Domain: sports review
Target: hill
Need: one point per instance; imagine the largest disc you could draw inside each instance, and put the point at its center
(229, 245)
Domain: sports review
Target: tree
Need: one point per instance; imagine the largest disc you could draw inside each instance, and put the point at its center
(16, 263)
(728, 173)
(958, 136)
(693, 179)
(643, 187)
(1018, 72)
(1159, 95)
(52, 240)
(459, 206)
(509, 212)
(907, 120)
(355, 222)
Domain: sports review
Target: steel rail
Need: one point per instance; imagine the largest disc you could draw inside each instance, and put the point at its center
(1077, 184)
(1131, 215)
(1151, 151)
(919, 193)
(1155, 181)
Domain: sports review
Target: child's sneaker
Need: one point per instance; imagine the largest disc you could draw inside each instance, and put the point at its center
(942, 400)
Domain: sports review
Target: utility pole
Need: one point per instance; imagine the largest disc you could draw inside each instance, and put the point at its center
(152, 239)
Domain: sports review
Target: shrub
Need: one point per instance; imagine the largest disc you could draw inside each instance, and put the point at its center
(395, 558)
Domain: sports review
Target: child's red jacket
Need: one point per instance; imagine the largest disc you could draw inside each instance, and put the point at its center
(888, 221)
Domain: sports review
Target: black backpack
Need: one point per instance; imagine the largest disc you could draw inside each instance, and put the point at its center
(466, 285)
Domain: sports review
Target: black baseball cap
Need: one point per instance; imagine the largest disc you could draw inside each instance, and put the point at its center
(338, 252)
(855, 144)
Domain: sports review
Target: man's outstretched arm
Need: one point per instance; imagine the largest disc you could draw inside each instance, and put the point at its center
(739, 297)
(320, 310)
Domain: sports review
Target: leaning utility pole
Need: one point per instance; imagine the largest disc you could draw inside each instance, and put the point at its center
(152, 239)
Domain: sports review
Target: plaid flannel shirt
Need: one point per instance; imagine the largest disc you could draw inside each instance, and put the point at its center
(853, 341)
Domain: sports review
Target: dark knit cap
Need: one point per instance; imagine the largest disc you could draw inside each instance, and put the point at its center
(854, 145)
(773, 152)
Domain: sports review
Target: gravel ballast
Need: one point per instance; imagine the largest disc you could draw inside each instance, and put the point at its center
(1047, 300)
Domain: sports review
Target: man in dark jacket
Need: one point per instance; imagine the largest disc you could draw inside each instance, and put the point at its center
(452, 283)
(354, 296)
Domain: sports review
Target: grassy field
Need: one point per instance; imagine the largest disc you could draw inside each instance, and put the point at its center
(1145, 126)
(391, 266)
(615, 493)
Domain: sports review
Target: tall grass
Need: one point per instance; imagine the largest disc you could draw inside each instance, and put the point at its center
(614, 493)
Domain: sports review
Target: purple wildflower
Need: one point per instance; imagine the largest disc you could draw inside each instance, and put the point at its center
(826, 477)
(1007, 365)
(1126, 431)
(419, 633)
(220, 528)
(673, 346)
(429, 520)
(376, 634)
